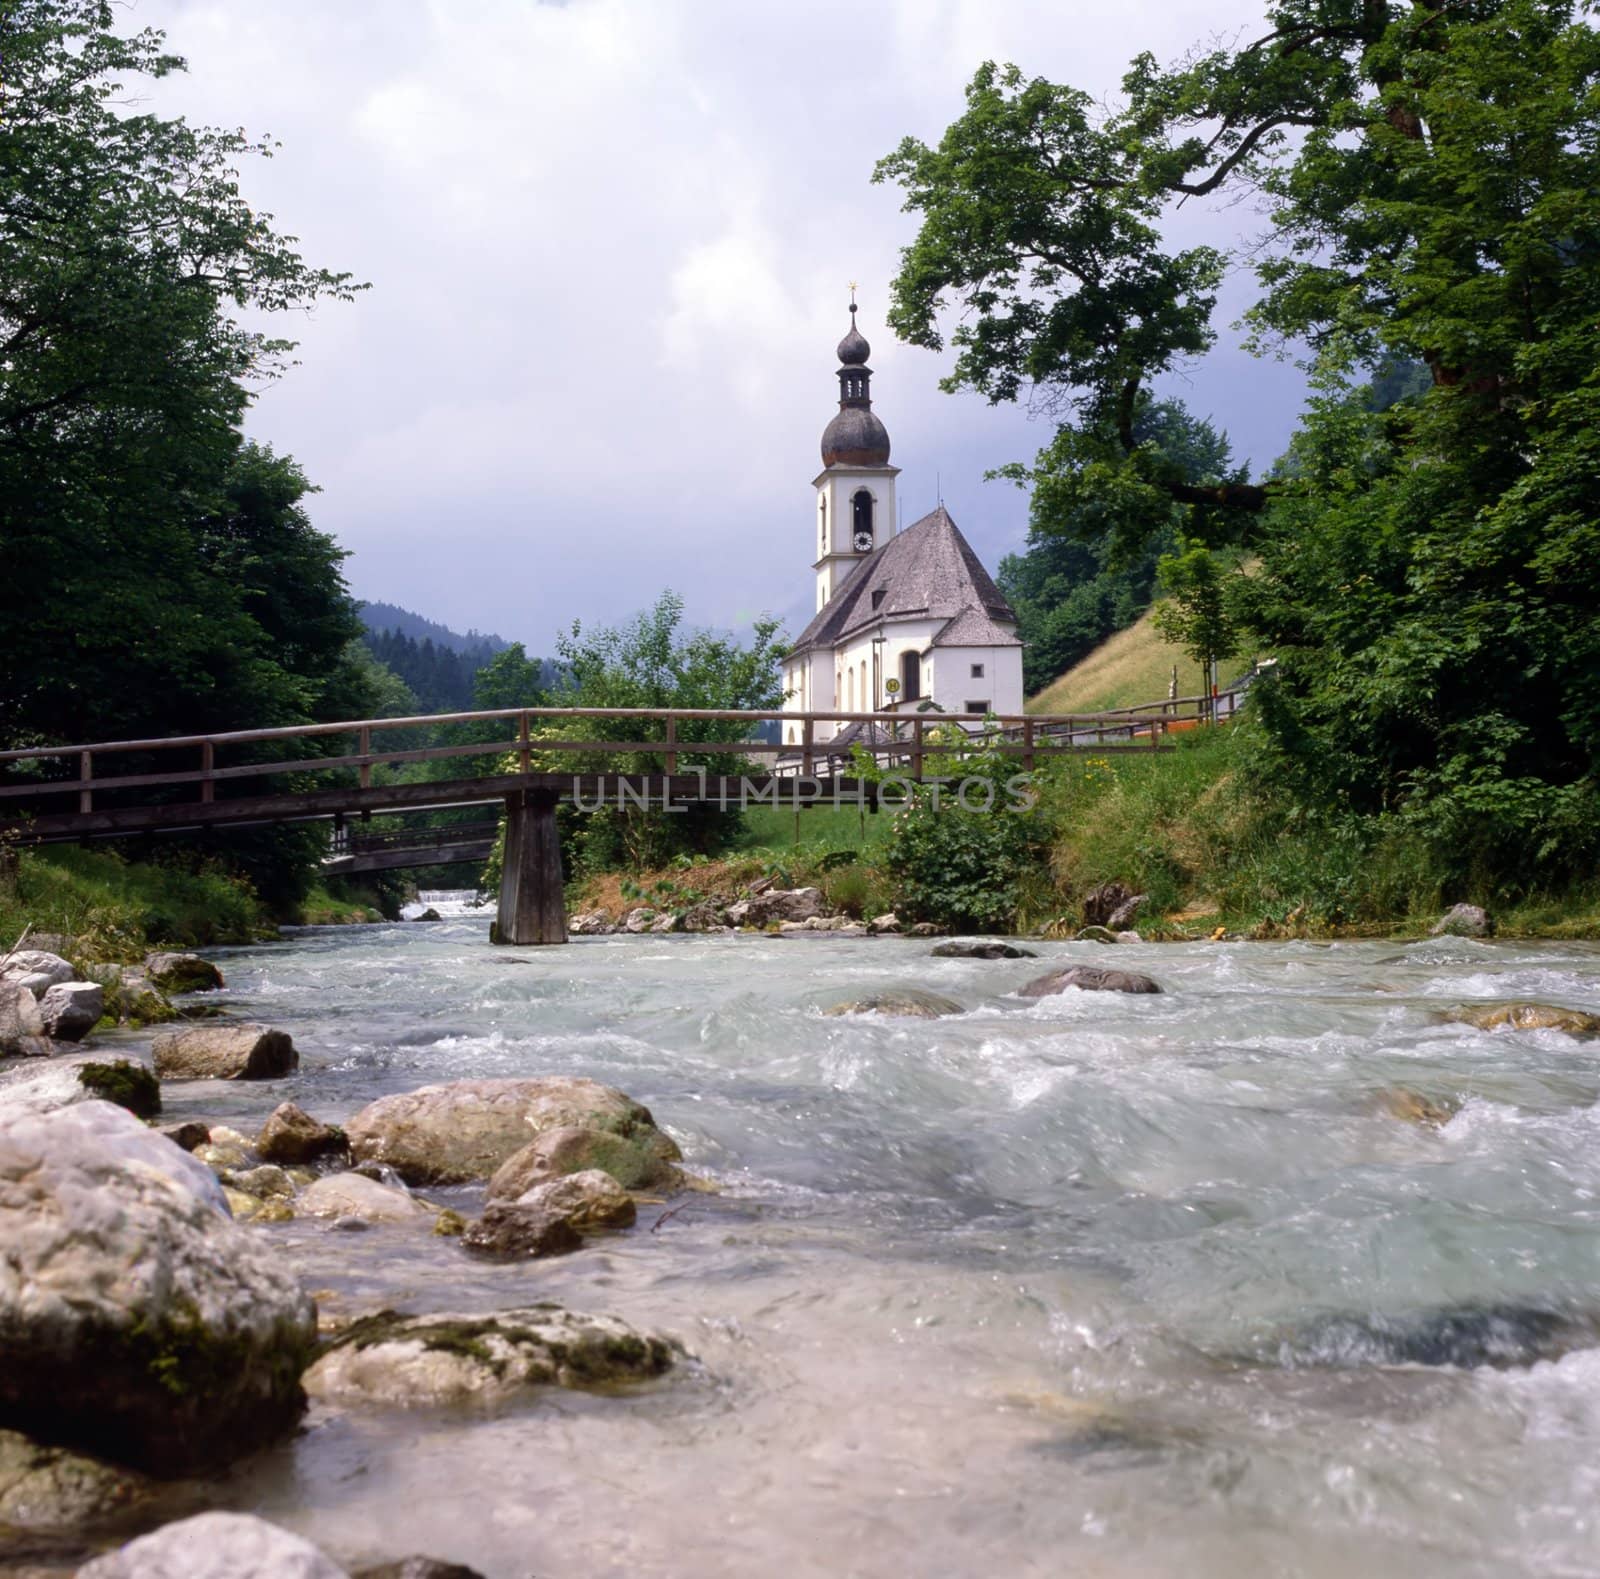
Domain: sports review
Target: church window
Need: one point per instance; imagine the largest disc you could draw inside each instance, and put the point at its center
(910, 677)
(861, 511)
(866, 705)
(850, 691)
(977, 671)
(977, 707)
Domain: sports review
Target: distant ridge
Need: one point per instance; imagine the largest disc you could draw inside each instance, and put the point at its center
(391, 617)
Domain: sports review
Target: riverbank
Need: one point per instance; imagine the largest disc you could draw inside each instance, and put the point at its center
(1117, 1282)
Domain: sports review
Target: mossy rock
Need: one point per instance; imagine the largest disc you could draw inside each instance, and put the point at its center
(129, 1085)
(904, 1002)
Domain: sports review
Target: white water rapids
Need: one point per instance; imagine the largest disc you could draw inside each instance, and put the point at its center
(1094, 1285)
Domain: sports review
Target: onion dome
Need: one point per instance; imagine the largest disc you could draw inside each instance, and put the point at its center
(853, 349)
(855, 437)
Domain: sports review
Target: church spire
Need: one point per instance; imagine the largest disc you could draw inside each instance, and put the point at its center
(855, 437)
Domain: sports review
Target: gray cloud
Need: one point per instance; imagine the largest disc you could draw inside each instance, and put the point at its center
(609, 243)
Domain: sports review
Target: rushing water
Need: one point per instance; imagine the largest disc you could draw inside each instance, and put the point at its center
(1049, 1288)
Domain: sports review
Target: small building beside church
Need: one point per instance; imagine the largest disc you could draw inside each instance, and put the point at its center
(906, 621)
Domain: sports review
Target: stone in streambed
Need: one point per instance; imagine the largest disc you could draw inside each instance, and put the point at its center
(1464, 1336)
(1088, 978)
(265, 1179)
(905, 1002)
(71, 1009)
(513, 1231)
(1527, 1017)
(588, 1201)
(36, 969)
(138, 1321)
(291, 1135)
(183, 973)
(351, 1195)
(189, 1135)
(990, 949)
(52, 1488)
(216, 1546)
(224, 1052)
(1095, 935)
(21, 1023)
(417, 1568)
(1413, 1107)
(129, 1085)
(483, 1359)
(455, 1133)
(636, 1162)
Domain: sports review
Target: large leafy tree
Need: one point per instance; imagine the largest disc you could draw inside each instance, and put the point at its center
(155, 574)
(1428, 572)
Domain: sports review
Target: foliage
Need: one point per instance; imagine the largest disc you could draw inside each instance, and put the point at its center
(960, 852)
(121, 907)
(1428, 561)
(1197, 608)
(1080, 582)
(158, 575)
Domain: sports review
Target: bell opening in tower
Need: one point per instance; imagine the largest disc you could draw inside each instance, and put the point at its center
(861, 519)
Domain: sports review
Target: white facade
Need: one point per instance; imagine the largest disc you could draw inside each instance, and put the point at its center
(848, 499)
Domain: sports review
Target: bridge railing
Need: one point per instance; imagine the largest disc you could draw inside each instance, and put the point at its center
(534, 740)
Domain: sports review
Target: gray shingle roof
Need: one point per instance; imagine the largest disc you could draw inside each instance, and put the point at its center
(928, 571)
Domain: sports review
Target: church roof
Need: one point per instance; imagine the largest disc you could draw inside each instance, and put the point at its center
(928, 571)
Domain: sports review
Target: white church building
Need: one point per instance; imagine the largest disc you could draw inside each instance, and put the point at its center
(907, 621)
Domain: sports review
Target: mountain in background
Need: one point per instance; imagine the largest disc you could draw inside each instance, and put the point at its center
(391, 617)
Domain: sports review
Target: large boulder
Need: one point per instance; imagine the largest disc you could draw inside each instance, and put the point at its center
(21, 1023)
(515, 1232)
(590, 923)
(353, 1195)
(1463, 921)
(124, 1082)
(137, 1321)
(1527, 1017)
(905, 1002)
(71, 1009)
(450, 1134)
(1102, 904)
(183, 973)
(1089, 978)
(52, 1488)
(636, 1162)
(36, 969)
(290, 1136)
(483, 1359)
(989, 948)
(224, 1052)
(779, 904)
(589, 1201)
(216, 1546)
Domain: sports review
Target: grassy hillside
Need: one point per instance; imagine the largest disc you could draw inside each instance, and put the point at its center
(1130, 668)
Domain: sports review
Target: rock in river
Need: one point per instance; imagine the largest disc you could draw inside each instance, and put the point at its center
(1089, 978)
(989, 948)
(352, 1195)
(907, 1002)
(1527, 1017)
(138, 1322)
(224, 1052)
(515, 1231)
(21, 1024)
(291, 1135)
(589, 1201)
(636, 1162)
(486, 1359)
(451, 1134)
(216, 1546)
(71, 1009)
(183, 973)
(51, 1488)
(1463, 921)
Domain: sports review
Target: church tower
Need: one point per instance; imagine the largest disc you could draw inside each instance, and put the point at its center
(855, 489)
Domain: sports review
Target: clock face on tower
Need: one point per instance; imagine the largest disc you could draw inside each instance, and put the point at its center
(863, 542)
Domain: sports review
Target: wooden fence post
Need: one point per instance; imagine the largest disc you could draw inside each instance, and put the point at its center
(85, 772)
(364, 750)
(208, 766)
(807, 764)
(672, 746)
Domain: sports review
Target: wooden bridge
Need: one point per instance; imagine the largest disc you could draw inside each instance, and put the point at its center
(663, 758)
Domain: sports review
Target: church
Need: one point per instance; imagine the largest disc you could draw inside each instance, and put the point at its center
(907, 620)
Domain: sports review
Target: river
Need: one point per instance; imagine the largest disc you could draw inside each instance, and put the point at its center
(1047, 1288)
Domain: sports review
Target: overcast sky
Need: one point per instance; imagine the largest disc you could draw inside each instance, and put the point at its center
(609, 243)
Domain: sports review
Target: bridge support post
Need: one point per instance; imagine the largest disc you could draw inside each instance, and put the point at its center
(532, 904)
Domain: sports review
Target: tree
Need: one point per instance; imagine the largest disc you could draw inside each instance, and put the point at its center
(1428, 571)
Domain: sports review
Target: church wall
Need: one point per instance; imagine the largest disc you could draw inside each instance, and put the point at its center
(1000, 685)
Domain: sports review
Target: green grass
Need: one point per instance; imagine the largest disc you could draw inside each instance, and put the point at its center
(1130, 668)
(819, 829)
(119, 908)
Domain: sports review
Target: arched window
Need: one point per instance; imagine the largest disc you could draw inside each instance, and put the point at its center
(822, 515)
(910, 676)
(861, 513)
(866, 705)
(850, 692)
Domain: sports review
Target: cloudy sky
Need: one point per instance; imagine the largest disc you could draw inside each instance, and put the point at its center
(609, 243)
